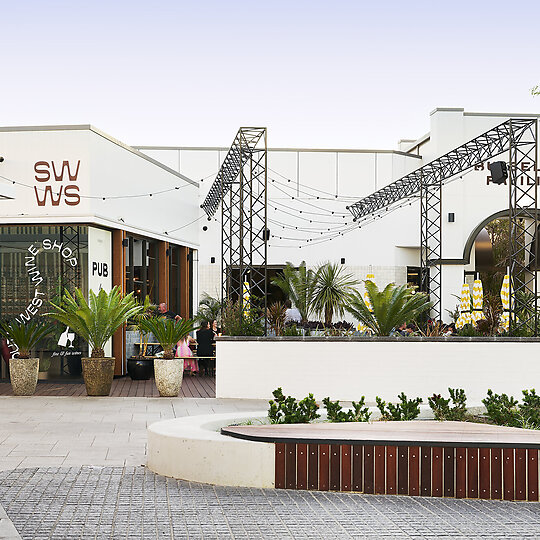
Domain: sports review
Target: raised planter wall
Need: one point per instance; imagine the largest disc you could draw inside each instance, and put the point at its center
(347, 368)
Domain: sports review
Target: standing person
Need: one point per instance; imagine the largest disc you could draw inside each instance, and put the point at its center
(164, 312)
(205, 346)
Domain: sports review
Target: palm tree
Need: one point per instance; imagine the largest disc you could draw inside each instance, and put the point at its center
(391, 307)
(298, 284)
(98, 319)
(168, 332)
(333, 291)
(209, 309)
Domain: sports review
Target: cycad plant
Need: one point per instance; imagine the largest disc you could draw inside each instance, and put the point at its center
(168, 332)
(97, 319)
(299, 286)
(333, 291)
(25, 336)
(392, 306)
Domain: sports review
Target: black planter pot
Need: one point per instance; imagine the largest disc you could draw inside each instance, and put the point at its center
(74, 365)
(140, 369)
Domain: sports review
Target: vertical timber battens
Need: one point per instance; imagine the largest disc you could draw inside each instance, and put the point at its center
(184, 282)
(119, 279)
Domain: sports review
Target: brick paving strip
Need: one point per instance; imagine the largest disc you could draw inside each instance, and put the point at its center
(131, 502)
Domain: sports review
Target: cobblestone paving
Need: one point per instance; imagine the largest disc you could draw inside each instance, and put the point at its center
(133, 503)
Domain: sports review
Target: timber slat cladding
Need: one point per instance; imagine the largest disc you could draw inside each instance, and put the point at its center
(532, 474)
(302, 466)
(335, 467)
(437, 472)
(487, 462)
(280, 465)
(346, 467)
(486, 473)
(472, 473)
(449, 472)
(391, 470)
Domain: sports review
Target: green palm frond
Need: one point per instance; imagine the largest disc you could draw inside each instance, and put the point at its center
(298, 284)
(168, 332)
(392, 306)
(25, 336)
(333, 291)
(97, 319)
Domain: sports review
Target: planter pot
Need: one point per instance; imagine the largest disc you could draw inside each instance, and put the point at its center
(140, 369)
(98, 375)
(24, 375)
(168, 374)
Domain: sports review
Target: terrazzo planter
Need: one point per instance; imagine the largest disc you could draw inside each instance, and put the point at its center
(168, 375)
(24, 375)
(98, 374)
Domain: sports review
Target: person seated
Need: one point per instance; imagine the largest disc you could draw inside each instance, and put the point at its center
(164, 312)
(205, 346)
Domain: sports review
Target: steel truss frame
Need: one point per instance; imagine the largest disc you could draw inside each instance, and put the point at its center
(427, 181)
(70, 277)
(523, 222)
(241, 188)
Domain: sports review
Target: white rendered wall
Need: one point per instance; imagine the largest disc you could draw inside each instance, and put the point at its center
(106, 169)
(347, 370)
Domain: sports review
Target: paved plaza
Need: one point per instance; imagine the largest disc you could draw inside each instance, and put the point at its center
(74, 468)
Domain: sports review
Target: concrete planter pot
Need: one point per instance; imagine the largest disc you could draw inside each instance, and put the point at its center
(98, 374)
(168, 375)
(24, 375)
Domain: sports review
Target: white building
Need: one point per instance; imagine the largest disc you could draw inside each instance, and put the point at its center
(309, 190)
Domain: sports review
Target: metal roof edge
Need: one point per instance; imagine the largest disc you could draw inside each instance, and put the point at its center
(89, 127)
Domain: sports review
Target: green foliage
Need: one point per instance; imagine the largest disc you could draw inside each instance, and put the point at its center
(168, 332)
(468, 330)
(98, 319)
(407, 409)
(275, 315)
(209, 309)
(336, 414)
(334, 290)
(291, 330)
(25, 336)
(298, 284)
(530, 408)
(235, 322)
(287, 410)
(501, 409)
(391, 307)
(441, 406)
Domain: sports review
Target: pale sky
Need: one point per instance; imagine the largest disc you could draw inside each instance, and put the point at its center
(350, 74)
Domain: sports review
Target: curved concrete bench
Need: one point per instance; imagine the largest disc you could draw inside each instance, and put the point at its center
(191, 448)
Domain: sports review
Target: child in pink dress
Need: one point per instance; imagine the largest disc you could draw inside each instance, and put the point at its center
(183, 349)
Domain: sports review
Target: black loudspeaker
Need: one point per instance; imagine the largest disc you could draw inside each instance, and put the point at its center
(499, 172)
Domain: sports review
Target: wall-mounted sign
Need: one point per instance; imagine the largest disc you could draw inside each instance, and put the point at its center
(58, 188)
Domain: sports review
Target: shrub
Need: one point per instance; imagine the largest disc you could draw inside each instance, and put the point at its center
(530, 409)
(287, 410)
(441, 406)
(336, 414)
(501, 409)
(291, 330)
(408, 409)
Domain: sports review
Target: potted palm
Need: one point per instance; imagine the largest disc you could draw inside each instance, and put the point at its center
(96, 321)
(168, 371)
(23, 370)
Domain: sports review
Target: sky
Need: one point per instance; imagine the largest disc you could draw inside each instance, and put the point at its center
(317, 74)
